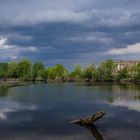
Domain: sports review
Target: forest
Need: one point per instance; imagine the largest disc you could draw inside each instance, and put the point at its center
(25, 70)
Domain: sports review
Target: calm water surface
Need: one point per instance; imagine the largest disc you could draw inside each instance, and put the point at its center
(44, 112)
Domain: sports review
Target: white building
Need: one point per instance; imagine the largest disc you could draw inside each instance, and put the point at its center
(122, 64)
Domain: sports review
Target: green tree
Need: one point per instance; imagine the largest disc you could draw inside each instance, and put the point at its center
(57, 73)
(50, 73)
(3, 70)
(123, 74)
(12, 70)
(135, 72)
(65, 75)
(77, 73)
(44, 74)
(90, 72)
(106, 70)
(60, 72)
(24, 69)
(37, 70)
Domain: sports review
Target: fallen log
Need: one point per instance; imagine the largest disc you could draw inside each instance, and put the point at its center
(90, 120)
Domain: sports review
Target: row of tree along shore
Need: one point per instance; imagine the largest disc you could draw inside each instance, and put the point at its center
(24, 70)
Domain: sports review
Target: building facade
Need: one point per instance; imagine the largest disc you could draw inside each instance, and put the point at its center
(122, 64)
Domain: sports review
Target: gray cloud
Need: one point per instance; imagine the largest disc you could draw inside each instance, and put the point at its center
(99, 14)
(12, 51)
(70, 31)
(130, 49)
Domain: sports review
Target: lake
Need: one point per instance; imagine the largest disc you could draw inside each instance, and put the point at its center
(44, 111)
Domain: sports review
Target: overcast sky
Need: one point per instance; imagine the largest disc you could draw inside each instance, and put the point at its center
(69, 32)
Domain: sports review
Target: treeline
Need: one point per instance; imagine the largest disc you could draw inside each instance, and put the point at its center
(107, 71)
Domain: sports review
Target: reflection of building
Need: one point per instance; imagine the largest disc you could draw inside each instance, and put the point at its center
(122, 64)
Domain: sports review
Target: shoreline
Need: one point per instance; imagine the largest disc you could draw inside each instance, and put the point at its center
(17, 82)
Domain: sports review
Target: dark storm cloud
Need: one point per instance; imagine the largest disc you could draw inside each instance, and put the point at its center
(69, 31)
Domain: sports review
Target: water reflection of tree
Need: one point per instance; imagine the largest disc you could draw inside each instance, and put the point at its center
(97, 133)
(3, 91)
(121, 91)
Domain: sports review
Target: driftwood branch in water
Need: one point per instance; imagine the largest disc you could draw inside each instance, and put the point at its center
(90, 120)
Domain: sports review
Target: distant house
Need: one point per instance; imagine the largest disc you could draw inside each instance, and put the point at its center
(122, 64)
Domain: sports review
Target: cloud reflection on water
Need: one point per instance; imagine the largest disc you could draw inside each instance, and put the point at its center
(132, 105)
(9, 107)
(43, 111)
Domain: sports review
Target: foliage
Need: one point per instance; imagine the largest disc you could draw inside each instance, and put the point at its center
(59, 70)
(90, 72)
(123, 74)
(44, 74)
(37, 71)
(135, 72)
(3, 70)
(50, 73)
(106, 71)
(25, 70)
(58, 73)
(77, 73)
(12, 70)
